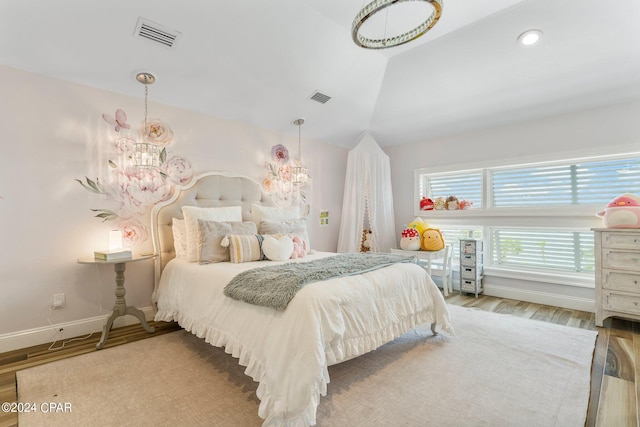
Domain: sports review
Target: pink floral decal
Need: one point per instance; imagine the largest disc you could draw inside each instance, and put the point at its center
(158, 132)
(133, 232)
(133, 190)
(279, 153)
(179, 170)
(277, 181)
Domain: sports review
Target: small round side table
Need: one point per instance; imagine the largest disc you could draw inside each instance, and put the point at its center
(120, 308)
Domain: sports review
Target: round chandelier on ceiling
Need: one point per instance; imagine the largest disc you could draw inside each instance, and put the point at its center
(382, 43)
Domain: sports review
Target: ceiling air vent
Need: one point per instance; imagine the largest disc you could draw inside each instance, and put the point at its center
(156, 33)
(320, 97)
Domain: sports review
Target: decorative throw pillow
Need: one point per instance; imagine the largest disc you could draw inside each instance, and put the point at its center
(279, 249)
(290, 226)
(268, 213)
(179, 238)
(211, 234)
(245, 248)
(191, 216)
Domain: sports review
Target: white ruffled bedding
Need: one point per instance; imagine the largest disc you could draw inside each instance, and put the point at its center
(327, 322)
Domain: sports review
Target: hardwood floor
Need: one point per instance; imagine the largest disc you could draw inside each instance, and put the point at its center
(615, 381)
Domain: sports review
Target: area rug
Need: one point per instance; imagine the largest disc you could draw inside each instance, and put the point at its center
(498, 370)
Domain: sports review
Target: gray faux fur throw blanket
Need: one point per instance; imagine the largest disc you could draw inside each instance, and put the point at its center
(276, 285)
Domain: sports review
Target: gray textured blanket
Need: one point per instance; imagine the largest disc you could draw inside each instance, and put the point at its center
(276, 285)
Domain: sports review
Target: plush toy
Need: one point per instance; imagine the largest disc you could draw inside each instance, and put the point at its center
(299, 247)
(439, 203)
(426, 204)
(419, 224)
(432, 240)
(622, 212)
(465, 204)
(367, 241)
(452, 203)
(410, 240)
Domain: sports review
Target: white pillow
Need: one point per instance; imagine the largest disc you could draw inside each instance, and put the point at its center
(279, 249)
(268, 213)
(193, 213)
(179, 238)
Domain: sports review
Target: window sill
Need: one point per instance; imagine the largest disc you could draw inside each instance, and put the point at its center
(567, 279)
(567, 211)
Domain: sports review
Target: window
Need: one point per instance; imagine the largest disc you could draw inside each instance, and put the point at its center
(467, 184)
(534, 217)
(562, 251)
(564, 185)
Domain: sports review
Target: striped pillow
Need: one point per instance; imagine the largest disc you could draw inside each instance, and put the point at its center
(245, 248)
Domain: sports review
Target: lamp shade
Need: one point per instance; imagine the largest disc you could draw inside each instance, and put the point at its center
(115, 239)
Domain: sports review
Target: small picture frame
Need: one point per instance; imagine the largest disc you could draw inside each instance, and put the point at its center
(324, 217)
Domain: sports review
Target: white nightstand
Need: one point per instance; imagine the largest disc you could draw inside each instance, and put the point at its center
(120, 308)
(427, 256)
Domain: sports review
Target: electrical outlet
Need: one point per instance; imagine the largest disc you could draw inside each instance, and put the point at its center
(58, 300)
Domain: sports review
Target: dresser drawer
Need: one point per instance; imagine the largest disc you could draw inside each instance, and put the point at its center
(470, 260)
(470, 246)
(618, 281)
(620, 260)
(469, 286)
(621, 240)
(470, 272)
(621, 302)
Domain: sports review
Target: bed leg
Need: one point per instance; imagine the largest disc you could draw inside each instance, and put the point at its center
(433, 328)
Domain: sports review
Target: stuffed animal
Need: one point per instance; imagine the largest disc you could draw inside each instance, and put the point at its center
(432, 240)
(299, 247)
(410, 240)
(426, 204)
(367, 241)
(419, 224)
(622, 212)
(452, 203)
(465, 204)
(439, 203)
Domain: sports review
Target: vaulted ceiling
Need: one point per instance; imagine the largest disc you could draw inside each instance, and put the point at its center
(259, 61)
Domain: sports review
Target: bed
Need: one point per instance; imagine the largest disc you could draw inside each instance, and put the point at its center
(286, 351)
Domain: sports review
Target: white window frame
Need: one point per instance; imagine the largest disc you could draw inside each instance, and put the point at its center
(489, 211)
(574, 218)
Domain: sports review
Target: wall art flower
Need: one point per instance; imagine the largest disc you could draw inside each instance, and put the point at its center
(132, 190)
(278, 180)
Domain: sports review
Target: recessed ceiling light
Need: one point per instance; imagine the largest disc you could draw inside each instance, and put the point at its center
(530, 38)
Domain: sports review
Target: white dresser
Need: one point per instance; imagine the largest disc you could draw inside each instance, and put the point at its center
(617, 271)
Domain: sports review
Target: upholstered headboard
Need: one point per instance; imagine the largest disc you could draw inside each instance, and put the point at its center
(211, 189)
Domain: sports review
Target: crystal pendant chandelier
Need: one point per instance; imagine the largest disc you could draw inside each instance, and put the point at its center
(299, 173)
(385, 42)
(145, 154)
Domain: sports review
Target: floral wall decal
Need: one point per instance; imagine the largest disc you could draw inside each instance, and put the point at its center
(278, 180)
(135, 190)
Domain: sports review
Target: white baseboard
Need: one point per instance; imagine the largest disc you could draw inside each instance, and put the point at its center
(565, 301)
(77, 328)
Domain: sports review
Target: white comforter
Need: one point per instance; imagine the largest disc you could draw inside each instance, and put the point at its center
(288, 352)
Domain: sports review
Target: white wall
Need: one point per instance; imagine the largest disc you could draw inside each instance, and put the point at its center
(51, 135)
(591, 132)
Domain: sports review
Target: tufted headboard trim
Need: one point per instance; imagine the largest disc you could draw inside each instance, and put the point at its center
(211, 189)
